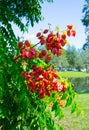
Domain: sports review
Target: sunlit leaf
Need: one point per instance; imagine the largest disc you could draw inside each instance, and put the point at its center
(55, 106)
(69, 101)
(73, 107)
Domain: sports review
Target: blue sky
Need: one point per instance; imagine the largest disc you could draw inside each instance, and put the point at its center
(61, 13)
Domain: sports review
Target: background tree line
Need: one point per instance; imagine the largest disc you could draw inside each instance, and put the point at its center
(72, 59)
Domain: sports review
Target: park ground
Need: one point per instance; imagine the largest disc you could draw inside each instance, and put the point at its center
(72, 121)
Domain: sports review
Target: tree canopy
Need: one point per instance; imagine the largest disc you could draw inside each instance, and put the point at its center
(85, 22)
(24, 78)
(14, 11)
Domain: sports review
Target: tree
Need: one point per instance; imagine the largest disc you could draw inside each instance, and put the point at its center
(21, 109)
(14, 99)
(71, 55)
(79, 60)
(85, 22)
(14, 12)
(60, 62)
(85, 59)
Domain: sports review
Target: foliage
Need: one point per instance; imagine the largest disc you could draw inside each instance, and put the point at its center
(79, 60)
(14, 12)
(86, 10)
(71, 59)
(21, 107)
(85, 21)
(71, 56)
(85, 57)
(28, 97)
(60, 62)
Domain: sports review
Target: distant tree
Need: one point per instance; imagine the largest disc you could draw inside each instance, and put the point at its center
(86, 45)
(71, 58)
(71, 55)
(60, 62)
(79, 60)
(85, 22)
(85, 59)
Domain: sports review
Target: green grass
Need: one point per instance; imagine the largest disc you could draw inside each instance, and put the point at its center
(71, 121)
(69, 74)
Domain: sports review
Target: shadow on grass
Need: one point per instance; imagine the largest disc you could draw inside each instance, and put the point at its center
(83, 92)
(80, 85)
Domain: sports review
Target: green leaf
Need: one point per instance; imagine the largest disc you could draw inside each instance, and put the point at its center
(55, 105)
(22, 96)
(64, 96)
(1, 113)
(61, 115)
(73, 107)
(69, 101)
(57, 112)
(25, 128)
(58, 127)
(1, 91)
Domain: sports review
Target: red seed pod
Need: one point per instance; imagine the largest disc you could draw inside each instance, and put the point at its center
(49, 38)
(58, 35)
(23, 52)
(69, 33)
(47, 92)
(73, 33)
(27, 43)
(63, 89)
(69, 26)
(27, 76)
(40, 55)
(59, 52)
(45, 31)
(54, 51)
(31, 86)
(63, 36)
(43, 52)
(42, 41)
(20, 44)
(38, 34)
(34, 67)
(47, 57)
(62, 42)
(42, 95)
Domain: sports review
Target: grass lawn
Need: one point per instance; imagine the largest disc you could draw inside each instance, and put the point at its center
(71, 121)
(72, 74)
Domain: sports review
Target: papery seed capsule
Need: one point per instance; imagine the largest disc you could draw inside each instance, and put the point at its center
(73, 33)
(38, 34)
(20, 44)
(69, 26)
(45, 31)
(27, 43)
(63, 36)
(47, 57)
(68, 33)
